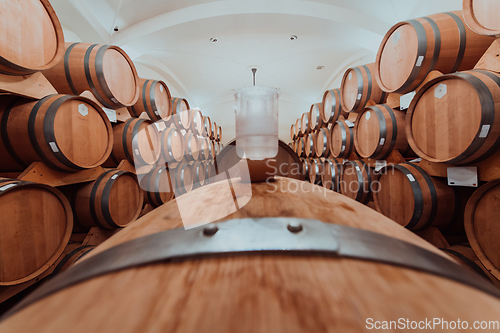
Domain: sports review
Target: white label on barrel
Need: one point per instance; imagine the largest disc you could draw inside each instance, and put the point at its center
(137, 152)
(6, 187)
(368, 115)
(359, 97)
(405, 100)
(395, 37)
(462, 176)
(83, 109)
(343, 148)
(484, 131)
(157, 113)
(379, 165)
(382, 141)
(114, 177)
(419, 61)
(410, 177)
(53, 146)
(111, 114)
(161, 88)
(160, 171)
(114, 100)
(349, 124)
(350, 75)
(440, 90)
(157, 126)
(357, 168)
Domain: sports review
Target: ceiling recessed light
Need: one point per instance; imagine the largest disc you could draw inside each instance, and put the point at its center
(214, 40)
(320, 67)
(293, 37)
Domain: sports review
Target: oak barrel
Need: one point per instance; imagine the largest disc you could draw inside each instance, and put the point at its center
(72, 253)
(356, 181)
(323, 142)
(199, 174)
(204, 147)
(342, 139)
(378, 131)
(482, 16)
(455, 118)
(184, 178)
(191, 149)
(31, 37)
(67, 133)
(310, 147)
(304, 124)
(157, 186)
(172, 145)
(406, 194)
(315, 120)
(217, 292)
(207, 126)
(105, 70)
(292, 132)
(297, 128)
(35, 227)
(196, 121)
(179, 105)
(481, 225)
(111, 201)
(332, 106)
(316, 171)
(359, 87)
(412, 49)
(332, 172)
(154, 99)
(464, 254)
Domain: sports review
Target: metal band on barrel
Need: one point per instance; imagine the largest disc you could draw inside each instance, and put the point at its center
(283, 236)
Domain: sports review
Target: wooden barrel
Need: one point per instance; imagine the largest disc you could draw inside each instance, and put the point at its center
(72, 253)
(310, 150)
(219, 136)
(359, 87)
(213, 135)
(292, 132)
(207, 126)
(297, 128)
(378, 131)
(105, 70)
(315, 120)
(482, 16)
(112, 201)
(35, 228)
(481, 225)
(23, 50)
(316, 171)
(211, 150)
(157, 186)
(154, 99)
(204, 147)
(172, 145)
(464, 254)
(406, 194)
(191, 148)
(199, 174)
(304, 124)
(179, 105)
(136, 140)
(342, 139)
(184, 178)
(414, 48)
(456, 118)
(332, 106)
(356, 181)
(181, 120)
(313, 279)
(285, 164)
(67, 133)
(196, 121)
(332, 172)
(210, 172)
(323, 142)
(301, 147)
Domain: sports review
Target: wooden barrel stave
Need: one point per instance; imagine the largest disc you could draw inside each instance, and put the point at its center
(332, 173)
(315, 120)
(157, 186)
(38, 131)
(356, 181)
(191, 148)
(323, 142)
(342, 139)
(172, 145)
(482, 16)
(332, 106)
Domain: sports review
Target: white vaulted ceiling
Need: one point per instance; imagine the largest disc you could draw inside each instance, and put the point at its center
(170, 40)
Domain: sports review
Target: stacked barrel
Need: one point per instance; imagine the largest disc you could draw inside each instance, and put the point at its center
(359, 141)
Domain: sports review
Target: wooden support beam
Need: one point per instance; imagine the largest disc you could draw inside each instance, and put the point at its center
(34, 86)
